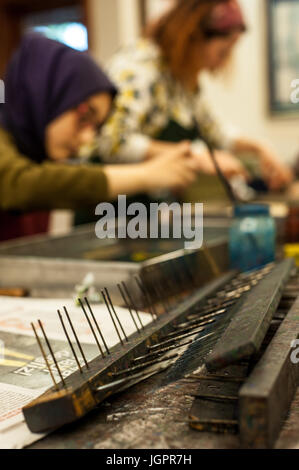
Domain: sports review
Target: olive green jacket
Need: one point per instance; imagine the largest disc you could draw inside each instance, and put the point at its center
(28, 186)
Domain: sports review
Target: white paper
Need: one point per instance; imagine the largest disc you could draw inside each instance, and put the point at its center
(17, 314)
(22, 367)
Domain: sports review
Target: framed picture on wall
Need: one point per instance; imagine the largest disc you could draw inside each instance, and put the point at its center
(283, 28)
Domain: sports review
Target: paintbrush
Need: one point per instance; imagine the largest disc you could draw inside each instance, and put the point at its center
(227, 186)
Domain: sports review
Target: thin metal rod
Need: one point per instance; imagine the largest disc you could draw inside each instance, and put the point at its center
(175, 339)
(227, 186)
(132, 303)
(91, 327)
(219, 378)
(201, 320)
(190, 328)
(212, 308)
(111, 316)
(51, 352)
(142, 366)
(69, 341)
(44, 356)
(97, 325)
(222, 398)
(76, 337)
(104, 388)
(162, 345)
(116, 316)
(215, 422)
(128, 306)
(147, 297)
(161, 351)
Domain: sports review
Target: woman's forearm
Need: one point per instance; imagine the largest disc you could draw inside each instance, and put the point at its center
(126, 179)
(244, 145)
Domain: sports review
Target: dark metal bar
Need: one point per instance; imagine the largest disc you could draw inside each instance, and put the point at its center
(189, 271)
(174, 294)
(91, 327)
(247, 330)
(132, 303)
(219, 378)
(69, 341)
(161, 351)
(76, 337)
(44, 356)
(204, 318)
(119, 382)
(190, 328)
(142, 366)
(210, 425)
(222, 398)
(97, 325)
(267, 394)
(160, 297)
(128, 306)
(111, 316)
(146, 294)
(175, 340)
(116, 316)
(51, 352)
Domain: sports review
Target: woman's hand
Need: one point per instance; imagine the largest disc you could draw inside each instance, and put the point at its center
(276, 174)
(176, 169)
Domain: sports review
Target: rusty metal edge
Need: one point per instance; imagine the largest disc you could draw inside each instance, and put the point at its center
(246, 332)
(266, 396)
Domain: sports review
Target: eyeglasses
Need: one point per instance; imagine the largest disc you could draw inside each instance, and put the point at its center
(87, 116)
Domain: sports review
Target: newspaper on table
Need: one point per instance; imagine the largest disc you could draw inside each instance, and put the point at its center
(23, 372)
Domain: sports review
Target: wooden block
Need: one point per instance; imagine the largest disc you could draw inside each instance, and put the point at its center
(247, 330)
(266, 396)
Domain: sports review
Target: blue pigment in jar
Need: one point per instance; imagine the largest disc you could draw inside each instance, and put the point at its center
(252, 237)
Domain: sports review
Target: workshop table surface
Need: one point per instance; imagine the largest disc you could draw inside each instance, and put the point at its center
(149, 416)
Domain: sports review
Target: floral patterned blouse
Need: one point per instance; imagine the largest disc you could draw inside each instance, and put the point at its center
(149, 98)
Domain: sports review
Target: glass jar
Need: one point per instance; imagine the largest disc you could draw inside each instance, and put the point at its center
(252, 237)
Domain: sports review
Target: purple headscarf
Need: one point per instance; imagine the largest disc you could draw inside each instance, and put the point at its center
(44, 79)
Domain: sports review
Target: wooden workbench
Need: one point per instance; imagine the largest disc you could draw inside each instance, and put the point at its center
(150, 417)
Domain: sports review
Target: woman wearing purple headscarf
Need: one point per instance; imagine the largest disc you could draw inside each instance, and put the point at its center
(56, 99)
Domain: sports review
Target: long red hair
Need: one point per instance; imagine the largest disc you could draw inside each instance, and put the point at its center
(185, 25)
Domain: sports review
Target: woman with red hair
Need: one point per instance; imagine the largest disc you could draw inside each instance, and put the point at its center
(160, 101)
